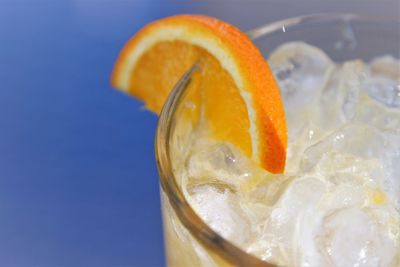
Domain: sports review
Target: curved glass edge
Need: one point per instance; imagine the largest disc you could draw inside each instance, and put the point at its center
(196, 226)
(279, 26)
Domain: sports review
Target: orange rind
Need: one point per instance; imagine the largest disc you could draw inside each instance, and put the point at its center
(240, 97)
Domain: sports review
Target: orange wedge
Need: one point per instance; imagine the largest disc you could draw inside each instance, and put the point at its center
(240, 97)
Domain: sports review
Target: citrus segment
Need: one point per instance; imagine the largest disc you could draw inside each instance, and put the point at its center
(240, 99)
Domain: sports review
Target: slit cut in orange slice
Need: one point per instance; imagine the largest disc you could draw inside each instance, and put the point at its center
(241, 99)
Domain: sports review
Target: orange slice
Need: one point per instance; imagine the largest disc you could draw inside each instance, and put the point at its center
(241, 100)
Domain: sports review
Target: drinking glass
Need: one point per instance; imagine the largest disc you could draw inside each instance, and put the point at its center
(189, 241)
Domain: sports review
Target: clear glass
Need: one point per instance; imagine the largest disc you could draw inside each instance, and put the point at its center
(188, 240)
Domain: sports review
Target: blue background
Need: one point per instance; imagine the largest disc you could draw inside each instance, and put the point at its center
(78, 181)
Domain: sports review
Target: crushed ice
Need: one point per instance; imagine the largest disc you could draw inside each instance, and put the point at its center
(339, 202)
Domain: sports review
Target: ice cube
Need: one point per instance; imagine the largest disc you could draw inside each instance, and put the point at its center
(391, 182)
(374, 113)
(384, 90)
(220, 208)
(383, 81)
(385, 66)
(357, 139)
(379, 103)
(290, 222)
(366, 244)
(300, 70)
(309, 135)
(346, 169)
(358, 152)
(218, 161)
(338, 98)
(302, 194)
(346, 194)
(334, 105)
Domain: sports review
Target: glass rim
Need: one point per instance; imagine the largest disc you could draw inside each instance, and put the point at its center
(185, 213)
(277, 26)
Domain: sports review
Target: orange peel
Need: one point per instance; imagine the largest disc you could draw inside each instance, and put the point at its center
(241, 98)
